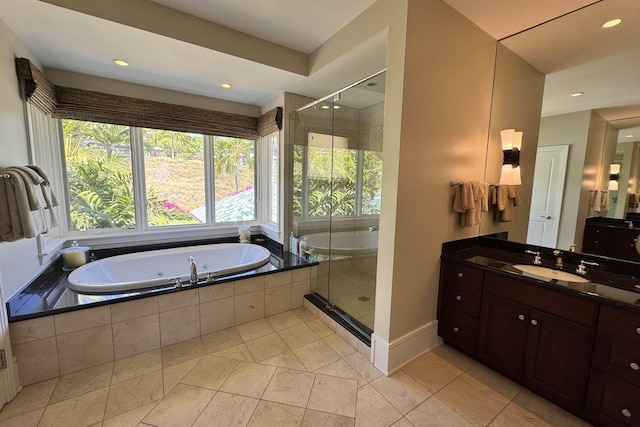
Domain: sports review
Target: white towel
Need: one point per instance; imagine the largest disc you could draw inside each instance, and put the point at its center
(605, 200)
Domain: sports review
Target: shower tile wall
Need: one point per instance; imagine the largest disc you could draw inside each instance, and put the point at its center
(60, 344)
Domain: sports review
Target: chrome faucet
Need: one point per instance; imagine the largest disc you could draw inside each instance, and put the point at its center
(558, 254)
(582, 270)
(193, 279)
(536, 259)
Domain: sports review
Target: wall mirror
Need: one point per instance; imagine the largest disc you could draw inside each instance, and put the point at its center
(591, 104)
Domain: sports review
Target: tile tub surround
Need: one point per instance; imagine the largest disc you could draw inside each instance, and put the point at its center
(61, 344)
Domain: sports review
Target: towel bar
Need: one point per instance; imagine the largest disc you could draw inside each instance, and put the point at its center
(452, 183)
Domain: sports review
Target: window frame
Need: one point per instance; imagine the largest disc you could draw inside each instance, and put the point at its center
(142, 232)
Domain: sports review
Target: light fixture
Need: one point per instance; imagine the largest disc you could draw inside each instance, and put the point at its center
(325, 107)
(226, 85)
(612, 23)
(511, 143)
(614, 175)
(630, 135)
(575, 94)
(121, 62)
(336, 107)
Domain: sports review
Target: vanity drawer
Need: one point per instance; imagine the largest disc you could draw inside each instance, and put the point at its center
(620, 323)
(562, 305)
(458, 273)
(617, 357)
(463, 297)
(611, 402)
(459, 330)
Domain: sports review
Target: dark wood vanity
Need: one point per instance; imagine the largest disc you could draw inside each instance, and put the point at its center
(611, 237)
(574, 349)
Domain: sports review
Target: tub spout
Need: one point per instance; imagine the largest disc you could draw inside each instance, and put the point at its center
(193, 279)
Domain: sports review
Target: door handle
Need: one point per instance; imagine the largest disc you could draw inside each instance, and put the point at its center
(545, 216)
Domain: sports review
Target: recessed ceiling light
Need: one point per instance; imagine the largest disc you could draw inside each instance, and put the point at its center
(371, 84)
(574, 94)
(121, 62)
(325, 107)
(226, 85)
(336, 107)
(630, 136)
(612, 23)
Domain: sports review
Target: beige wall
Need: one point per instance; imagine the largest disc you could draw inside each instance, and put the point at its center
(448, 73)
(516, 104)
(19, 261)
(584, 132)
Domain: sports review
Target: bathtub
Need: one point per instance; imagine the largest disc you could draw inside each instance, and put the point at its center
(362, 242)
(161, 268)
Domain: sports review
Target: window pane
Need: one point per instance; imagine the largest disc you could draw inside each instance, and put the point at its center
(98, 158)
(298, 152)
(343, 195)
(234, 163)
(319, 181)
(275, 172)
(174, 176)
(371, 182)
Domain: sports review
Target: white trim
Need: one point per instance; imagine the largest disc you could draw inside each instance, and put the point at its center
(389, 357)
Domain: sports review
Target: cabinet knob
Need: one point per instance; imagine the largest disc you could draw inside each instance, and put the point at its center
(638, 331)
(634, 366)
(460, 275)
(455, 329)
(626, 413)
(520, 316)
(458, 297)
(534, 322)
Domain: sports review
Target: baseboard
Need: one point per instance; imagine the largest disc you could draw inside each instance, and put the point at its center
(389, 357)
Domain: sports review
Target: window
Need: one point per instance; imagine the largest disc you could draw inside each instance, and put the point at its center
(122, 177)
(332, 179)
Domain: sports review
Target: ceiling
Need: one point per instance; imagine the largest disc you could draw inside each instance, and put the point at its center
(84, 37)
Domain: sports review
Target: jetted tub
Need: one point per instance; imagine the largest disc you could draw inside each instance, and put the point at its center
(161, 268)
(362, 242)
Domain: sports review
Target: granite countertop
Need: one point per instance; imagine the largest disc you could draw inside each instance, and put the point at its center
(604, 286)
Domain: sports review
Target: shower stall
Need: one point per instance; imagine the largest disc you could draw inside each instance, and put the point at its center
(337, 177)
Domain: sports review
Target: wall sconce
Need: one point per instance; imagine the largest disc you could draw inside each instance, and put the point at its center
(614, 175)
(511, 143)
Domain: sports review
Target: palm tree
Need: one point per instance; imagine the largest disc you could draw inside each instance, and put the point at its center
(232, 153)
(109, 135)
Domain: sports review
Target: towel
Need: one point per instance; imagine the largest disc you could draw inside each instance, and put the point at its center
(480, 203)
(605, 200)
(505, 197)
(470, 199)
(597, 202)
(24, 222)
(26, 203)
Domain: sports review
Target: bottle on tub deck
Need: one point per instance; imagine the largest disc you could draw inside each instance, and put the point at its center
(245, 233)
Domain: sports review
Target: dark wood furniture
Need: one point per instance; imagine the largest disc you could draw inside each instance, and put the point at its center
(566, 348)
(612, 241)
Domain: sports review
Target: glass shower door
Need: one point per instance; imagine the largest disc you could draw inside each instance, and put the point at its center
(337, 174)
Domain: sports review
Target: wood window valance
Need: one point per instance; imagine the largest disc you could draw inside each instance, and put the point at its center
(78, 104)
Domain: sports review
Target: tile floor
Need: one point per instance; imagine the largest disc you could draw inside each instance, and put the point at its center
(287, 370)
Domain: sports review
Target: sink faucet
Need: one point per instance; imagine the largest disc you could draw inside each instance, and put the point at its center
(582, 269)
(193, 279)
(558, 255)
(536, 259)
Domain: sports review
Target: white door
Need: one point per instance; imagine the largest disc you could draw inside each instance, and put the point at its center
(546, 199)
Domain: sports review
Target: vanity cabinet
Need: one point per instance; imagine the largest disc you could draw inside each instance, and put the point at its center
(538, 337)
(614, 387)
(614, 242)
(459, 306)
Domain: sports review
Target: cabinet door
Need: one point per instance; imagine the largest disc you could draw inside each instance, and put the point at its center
(623, 244)
(557, 359)
(503, 335)
(596, 239)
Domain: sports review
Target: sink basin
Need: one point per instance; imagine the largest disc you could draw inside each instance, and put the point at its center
(549, 273)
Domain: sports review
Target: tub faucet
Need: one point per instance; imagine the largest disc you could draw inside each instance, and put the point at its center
(193, 279)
